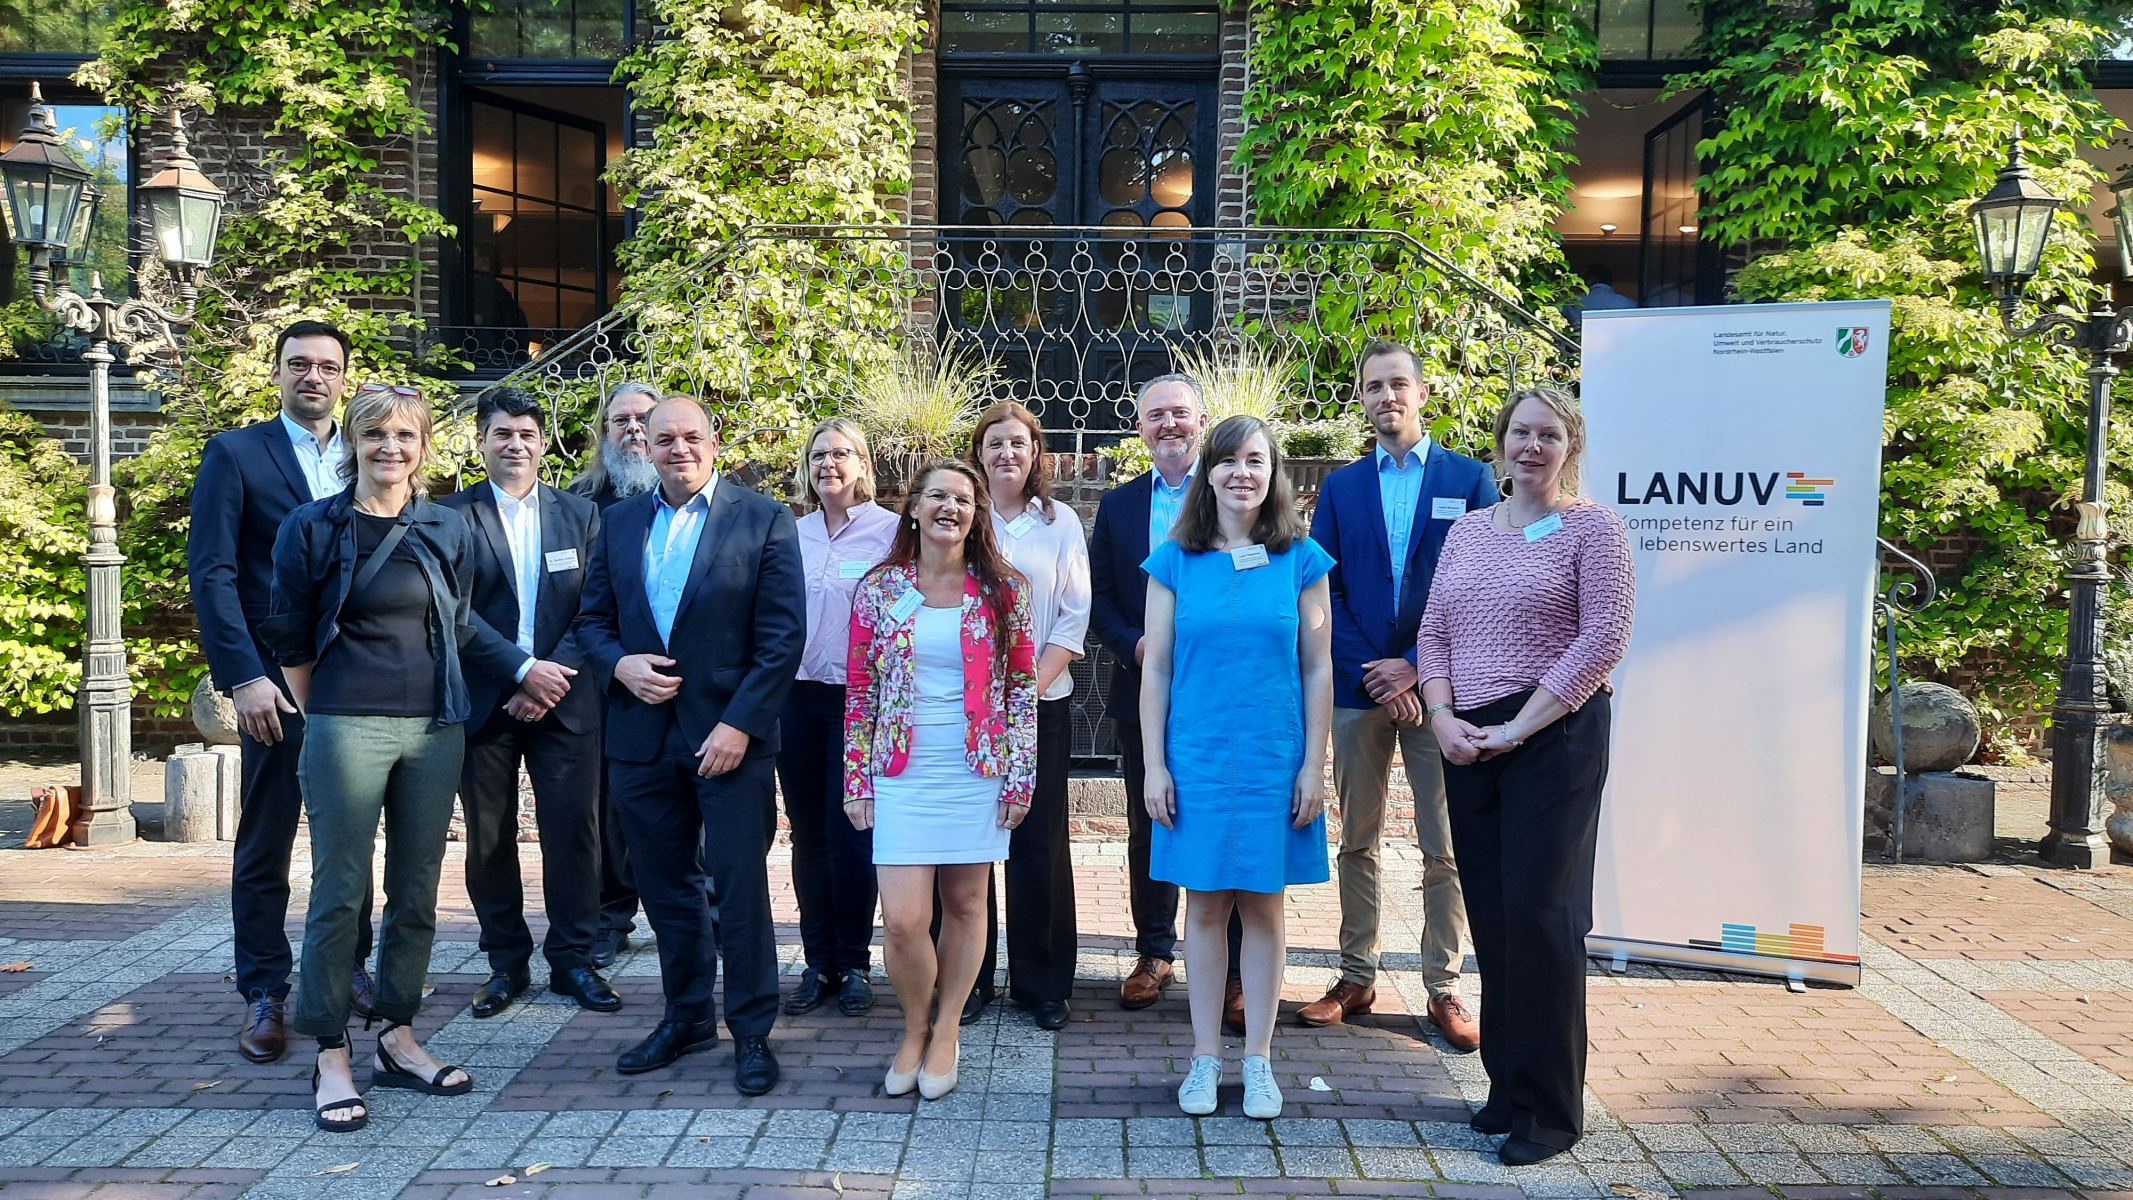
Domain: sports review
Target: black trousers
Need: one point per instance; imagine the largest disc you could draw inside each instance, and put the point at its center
(1525, 826)
(618, 887)
(565, 768)
(1042, 941)
(832, 863)
(1154, 903)
(272, 802)
(666, 807)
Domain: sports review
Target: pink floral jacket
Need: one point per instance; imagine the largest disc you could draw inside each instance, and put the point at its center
(1000, 737)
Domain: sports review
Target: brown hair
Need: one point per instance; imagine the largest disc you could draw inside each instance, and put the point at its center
(1277, 524)
(1565, 407)
(1379, 349)
(997, 580)
(1037, 485)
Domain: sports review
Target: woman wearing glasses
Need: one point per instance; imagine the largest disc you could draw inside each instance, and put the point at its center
(832, 861)
(940, 735)
(369, 615)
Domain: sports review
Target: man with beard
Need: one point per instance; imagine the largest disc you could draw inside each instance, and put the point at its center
(621, 468)
(250, 479)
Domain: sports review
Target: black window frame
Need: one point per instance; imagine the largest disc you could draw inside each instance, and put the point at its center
(1126, 10)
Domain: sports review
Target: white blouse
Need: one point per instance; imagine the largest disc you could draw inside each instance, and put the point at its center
(1054, 557)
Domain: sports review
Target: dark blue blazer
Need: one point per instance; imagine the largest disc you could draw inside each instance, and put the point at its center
(567, 523)
(248, 483)
(1350, 525)
(1119, 608)
(737, 634)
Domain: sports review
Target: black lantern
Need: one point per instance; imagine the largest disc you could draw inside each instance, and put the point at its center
(44, 183)
(184, 208)
(76, 251)
(2011, 223)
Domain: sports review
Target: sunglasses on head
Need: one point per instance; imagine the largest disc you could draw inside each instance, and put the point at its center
(394, 388)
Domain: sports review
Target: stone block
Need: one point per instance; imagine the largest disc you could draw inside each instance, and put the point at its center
(229, 795)
(192, 788)
(1949, 819)
(214, 714)
(1940, 728)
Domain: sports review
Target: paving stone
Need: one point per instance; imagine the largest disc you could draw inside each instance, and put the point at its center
(939, 1162)
(1381, 1133)
(874, 1127)
(867, 1158)
(1009, 1166)
(1902, 1139)
(1163, 1162)
(706, 1151)
(785, 1153)
(1088, 1132)
(1162, 1131)
(1014, 1135)
(1307, 1131)
(2018, 1172)
(478, 1154)
(1088, 1162)
(1233, 1131)
(652, 1122)
(1855, 1169)
(176, 1152)
(2093, 1173)
(1241, 1161)
(1786, 1167)
(1696, 1169)
(1317, 1162)
(619, 1151)
(1603, 1147)
(1672, 1138)
(1464, 1166)
(1391, 1162)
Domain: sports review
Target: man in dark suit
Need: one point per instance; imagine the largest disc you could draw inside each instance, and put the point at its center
(250, 478)
(694, 616)
(1383, 518)
(528, 566)
(621, 467)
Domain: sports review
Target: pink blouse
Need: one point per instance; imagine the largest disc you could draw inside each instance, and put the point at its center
(1506, 614)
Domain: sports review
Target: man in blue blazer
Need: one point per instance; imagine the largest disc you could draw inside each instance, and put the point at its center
(526, 571)
(1383, 518)
(250, 478)
(693, 618)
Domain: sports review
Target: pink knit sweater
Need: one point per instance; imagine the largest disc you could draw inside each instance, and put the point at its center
(1506, 614)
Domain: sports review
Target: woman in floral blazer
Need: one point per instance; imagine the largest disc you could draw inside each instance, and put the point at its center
(940, 737)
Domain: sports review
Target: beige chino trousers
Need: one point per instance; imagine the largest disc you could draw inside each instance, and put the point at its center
(1363, 739)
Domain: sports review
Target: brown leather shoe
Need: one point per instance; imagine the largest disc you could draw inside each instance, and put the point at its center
(266, 1031)
(1341, 1001)
(1449, 1014)
(363, 995)
(1233, 1007)
(1145, 986)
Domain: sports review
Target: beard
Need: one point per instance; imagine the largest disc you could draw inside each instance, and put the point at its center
(629, 474)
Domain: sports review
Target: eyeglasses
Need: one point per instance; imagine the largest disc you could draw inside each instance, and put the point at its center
(300, 367)
(625, 421)
(840, 456)
(937, 496)
(395, 388)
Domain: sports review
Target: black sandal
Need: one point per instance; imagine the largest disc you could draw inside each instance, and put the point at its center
(393, 1075)
(331, 1126)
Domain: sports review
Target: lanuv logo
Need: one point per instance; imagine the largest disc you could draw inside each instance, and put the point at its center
(1807, 491)
(1851, 341)
(1724, 487)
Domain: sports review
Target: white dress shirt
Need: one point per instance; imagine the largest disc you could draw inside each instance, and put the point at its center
(522, 530)
(320, 462)
(1054, 558)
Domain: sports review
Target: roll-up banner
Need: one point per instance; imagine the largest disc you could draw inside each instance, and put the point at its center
(1741, 445)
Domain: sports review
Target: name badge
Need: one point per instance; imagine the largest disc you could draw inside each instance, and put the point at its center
(852, 568)
(1447, 508)
(1019, 527)
(1543, 527)
(905, 605)
(562, 560)
(1244, 558)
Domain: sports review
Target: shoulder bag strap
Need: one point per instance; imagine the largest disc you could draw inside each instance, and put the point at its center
(376, 562)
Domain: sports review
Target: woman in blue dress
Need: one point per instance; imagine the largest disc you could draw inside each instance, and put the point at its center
(1236, 705)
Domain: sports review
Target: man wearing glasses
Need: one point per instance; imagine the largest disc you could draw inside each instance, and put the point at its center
(250, 478)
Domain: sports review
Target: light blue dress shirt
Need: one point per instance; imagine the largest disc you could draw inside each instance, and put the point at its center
(669, 550)
(320, 462)
(1400, 490)
(1165, 503)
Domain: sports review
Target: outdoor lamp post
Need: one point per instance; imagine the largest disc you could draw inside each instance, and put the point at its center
(2012, 223)
(50, 212)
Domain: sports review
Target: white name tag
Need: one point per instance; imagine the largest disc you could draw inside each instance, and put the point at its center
(1543, 527)
(1244, 558)
(1019, 527)
(853, 568)
(1447, 508)
(906, 605)
(562, 560)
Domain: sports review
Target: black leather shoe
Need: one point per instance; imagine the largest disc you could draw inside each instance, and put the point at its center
(362, 995)
(974, 1007)
(1521, 1152)
(855, 995)
(808, 996)
(755, 1068)
(497, 994)
(1491, 1122)
(666, 1046)
(1052, 1014)
(585, 986)
(608, 944)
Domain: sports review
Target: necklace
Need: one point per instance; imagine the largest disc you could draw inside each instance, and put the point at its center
(1517, 525)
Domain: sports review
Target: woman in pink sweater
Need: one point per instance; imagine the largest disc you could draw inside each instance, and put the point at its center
(1529, 612)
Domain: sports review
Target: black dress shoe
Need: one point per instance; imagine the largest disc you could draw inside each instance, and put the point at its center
(585, 986)
(855, 995)
(1052, 1014)
(1490, 1121)
(974, 1006)
(362, 995)
(1521, 1152)
(497, 994)
(666, 1046)
(755, 1068)
(808, 996)
(608, 944)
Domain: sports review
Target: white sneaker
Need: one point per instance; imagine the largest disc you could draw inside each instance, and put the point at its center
(1197, 1094)
(1261, 1098)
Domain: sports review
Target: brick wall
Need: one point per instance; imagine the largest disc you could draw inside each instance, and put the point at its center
(1233, 183)
(129, 433)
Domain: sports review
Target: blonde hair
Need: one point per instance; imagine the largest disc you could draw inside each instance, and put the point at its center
(804, 475)
(367, 410)
(1565, 407)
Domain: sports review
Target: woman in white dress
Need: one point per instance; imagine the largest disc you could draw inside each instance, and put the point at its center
(940, 735)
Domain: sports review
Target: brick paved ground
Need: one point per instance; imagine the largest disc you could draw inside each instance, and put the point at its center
(1988, 1053)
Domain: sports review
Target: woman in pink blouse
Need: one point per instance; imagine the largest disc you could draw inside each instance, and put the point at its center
(940, 750)
(1529, 612)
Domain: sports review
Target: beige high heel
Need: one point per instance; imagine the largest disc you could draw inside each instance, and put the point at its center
(933, 1087)
(901, 1083)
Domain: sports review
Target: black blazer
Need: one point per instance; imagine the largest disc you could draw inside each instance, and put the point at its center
(567, 523)
(1119, 608)
(737, 634)
(248, 483)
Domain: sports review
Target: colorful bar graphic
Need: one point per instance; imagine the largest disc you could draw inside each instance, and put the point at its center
(1806, 491)
(1801, 941)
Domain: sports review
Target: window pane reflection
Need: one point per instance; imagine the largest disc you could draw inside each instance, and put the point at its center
(53, 26)
(1076, 27)
(549, 29)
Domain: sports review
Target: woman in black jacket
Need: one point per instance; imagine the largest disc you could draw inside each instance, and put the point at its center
(369, 617)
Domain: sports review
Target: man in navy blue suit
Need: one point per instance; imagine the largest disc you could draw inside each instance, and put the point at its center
(1383, 518)
(249, 480)
(693, 617)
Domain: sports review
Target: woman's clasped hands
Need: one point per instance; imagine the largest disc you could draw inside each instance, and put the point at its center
(1462, 742)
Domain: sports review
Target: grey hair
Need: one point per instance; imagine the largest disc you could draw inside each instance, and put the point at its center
(1140, 398)
(593, 480)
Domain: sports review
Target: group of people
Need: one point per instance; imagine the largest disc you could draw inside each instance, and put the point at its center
(665, 653)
